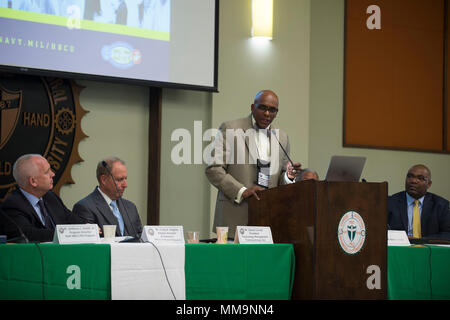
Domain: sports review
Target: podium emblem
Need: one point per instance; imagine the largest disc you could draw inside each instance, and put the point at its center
(351, 232)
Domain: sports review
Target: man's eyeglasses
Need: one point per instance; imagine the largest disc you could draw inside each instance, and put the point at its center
(419, 177)
(264, 108)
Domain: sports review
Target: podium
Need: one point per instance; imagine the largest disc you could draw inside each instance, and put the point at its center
(339, 233)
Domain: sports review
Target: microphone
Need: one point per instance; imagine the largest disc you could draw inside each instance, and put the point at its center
(104, 164)
(22, 235)
(284, 151)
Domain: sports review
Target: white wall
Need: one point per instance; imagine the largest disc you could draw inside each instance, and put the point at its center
(184, 187)
(117, 125)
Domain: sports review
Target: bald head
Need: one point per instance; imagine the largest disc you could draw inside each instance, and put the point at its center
(265, 94)
(33, 174)
(25, 167)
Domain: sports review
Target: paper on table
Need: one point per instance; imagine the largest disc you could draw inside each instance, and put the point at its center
(398, 238)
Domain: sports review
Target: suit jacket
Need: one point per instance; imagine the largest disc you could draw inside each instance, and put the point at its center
(229, 176)
(434, 219)
(94, 209)
(19, 209)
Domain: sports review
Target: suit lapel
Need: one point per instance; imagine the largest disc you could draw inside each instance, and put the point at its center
(104, 209)
(279, 139)
(426, 209)
(403, 206)
(29, 207)
(247, 125)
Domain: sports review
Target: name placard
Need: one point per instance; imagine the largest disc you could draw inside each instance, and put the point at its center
(398, 238)
(76, 233)
(163, 234)
(253, 235)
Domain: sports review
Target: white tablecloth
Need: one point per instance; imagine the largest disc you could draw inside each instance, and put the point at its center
(137, 272)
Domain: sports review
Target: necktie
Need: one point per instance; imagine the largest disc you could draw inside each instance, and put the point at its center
(117, 214)
(48, 223)
(417, 232)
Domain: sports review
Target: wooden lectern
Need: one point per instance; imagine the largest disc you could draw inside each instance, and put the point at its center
(339, 232)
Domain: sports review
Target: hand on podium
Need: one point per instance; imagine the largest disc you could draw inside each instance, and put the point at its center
(252, 192)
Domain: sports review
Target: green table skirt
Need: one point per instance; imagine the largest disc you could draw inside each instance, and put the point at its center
(51, 271)
(418, 273)
(239, 271)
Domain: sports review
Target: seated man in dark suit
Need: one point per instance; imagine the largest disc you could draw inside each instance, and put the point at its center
(420, 213)
(33, 207)
(105, 205)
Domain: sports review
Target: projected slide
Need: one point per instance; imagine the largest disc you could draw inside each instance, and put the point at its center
(115, 38)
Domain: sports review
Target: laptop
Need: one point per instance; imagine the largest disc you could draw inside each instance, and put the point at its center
(345, 168)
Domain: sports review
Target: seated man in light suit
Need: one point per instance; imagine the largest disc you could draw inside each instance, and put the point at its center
(433, 210)
(105, 205)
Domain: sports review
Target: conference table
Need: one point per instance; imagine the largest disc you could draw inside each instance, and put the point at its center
(86, 271)
(210, 271)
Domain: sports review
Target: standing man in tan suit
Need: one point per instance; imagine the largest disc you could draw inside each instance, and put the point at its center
(249, 156)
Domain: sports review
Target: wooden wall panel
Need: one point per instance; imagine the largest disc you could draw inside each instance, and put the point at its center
(446, 111)
(394, 75)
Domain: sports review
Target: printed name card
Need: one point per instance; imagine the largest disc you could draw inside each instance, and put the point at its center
(163, 234)
(253, 235)
(76, 233)
(398, 238)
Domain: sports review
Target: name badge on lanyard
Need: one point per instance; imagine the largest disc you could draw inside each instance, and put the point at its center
(263, 173)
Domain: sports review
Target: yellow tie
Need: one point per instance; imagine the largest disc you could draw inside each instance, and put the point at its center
(417, 232)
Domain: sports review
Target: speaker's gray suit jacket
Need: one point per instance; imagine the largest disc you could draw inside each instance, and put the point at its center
(229, 176)
(94, 209)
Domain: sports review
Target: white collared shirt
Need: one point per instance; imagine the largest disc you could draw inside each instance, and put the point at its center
(107, 199)
(262, 141)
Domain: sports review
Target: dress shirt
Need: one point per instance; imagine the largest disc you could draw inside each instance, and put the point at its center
(33, 200)
(109, 201)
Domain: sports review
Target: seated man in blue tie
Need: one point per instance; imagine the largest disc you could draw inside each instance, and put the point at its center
(105, 205)
(420, 213)
(33, 208)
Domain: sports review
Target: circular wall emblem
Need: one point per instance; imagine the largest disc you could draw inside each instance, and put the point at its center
(351, 232)
(39, 115)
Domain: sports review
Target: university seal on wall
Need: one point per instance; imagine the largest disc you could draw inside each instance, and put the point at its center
(39, 115)
(351, 232)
